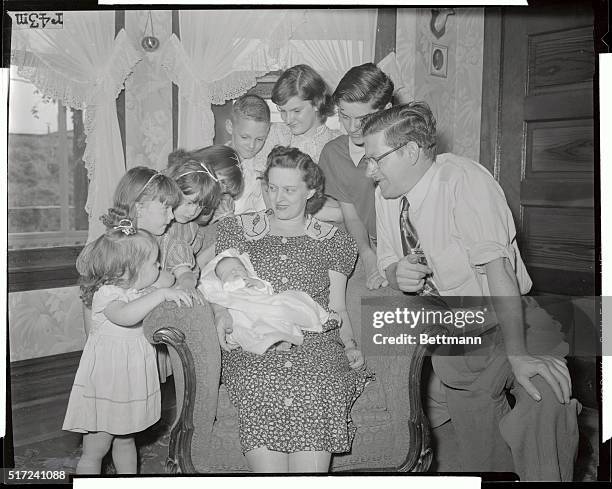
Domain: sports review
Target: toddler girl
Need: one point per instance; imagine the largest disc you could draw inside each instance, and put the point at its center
(116, 389)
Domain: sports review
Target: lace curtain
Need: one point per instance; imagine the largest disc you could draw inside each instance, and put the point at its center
(219, 56)
(221, 53)
(83, 65)
(333, 41)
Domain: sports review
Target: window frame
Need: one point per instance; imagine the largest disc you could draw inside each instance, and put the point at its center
(55, 267)
(48, 267)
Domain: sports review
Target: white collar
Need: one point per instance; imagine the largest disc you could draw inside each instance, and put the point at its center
(356, 152)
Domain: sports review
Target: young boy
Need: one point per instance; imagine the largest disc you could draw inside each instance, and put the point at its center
(253, 136)
(363, 90)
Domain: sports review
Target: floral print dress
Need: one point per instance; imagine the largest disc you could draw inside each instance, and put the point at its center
(298, 399)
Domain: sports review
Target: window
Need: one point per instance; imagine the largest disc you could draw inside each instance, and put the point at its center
(47, 188)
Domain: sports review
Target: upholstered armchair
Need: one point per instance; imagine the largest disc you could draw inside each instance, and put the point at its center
(392, 431)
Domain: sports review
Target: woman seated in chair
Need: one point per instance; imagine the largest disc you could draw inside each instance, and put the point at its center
(294, 404)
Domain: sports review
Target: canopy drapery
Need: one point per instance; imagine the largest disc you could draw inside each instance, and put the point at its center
(219, 56)
(83, 66)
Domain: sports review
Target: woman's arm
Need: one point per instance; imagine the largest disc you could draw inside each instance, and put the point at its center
(337, 302)
(223, 323)
(131, 313)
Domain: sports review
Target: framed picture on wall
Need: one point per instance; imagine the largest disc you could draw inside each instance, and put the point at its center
(438, 60)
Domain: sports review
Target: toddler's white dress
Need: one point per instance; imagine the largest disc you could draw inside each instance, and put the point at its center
(116, 387)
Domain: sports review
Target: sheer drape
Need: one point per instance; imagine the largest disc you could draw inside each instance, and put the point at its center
(221, 53)
(219, 56)
(84, 66)
(333, 41)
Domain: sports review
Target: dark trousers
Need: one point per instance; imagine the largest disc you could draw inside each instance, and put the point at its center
(536, 439)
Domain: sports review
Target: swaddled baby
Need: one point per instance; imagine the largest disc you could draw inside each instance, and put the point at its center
(261, 318)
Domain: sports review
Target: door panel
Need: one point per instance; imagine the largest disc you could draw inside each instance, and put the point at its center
(546, 142)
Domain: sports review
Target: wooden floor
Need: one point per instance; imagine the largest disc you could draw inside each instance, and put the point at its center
(40, 389)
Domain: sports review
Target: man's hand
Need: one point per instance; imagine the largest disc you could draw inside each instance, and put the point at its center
(552, 369)
(411, 274)
(374, 279)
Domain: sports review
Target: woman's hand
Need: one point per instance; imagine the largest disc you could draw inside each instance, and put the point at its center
(223, 323)
(355, 358)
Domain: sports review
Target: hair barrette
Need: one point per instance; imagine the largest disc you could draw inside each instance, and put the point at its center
(144, 187)
(126, 227)
(204, 170)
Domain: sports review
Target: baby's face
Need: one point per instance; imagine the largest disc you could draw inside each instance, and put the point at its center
(230, 269)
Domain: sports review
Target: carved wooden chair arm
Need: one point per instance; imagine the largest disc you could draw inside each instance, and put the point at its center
(189, 334)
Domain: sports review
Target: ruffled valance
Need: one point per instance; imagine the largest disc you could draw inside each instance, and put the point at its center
(84, 66)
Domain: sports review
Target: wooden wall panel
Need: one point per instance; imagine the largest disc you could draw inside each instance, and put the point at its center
(560, 146)
(560, 238)
(558, 60)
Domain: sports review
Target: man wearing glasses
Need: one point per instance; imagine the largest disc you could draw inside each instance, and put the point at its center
(363, 90)
(444, 227)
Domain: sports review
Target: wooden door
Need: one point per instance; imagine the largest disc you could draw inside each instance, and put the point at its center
(545, 144)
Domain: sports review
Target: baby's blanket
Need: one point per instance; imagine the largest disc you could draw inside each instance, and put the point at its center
(260, 317)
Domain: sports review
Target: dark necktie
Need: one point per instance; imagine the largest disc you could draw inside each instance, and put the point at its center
(411, 246)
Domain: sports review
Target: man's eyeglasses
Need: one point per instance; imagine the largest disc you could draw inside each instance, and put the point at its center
(375, 160)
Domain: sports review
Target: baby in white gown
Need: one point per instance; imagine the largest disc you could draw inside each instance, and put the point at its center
(261, 318)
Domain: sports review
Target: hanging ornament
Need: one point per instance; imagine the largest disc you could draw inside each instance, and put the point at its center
(149, 43)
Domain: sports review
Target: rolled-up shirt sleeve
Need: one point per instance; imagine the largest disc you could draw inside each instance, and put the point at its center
(484, 220)
(385, 251)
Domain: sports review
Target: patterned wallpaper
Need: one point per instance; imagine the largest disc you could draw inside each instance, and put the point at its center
(45, 322)
(455, 100)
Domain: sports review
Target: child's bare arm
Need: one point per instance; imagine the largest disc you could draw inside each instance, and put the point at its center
(188, 281)
(165, 279)
(86, 319)
(131, 313)
(205, 256)
(185, 278)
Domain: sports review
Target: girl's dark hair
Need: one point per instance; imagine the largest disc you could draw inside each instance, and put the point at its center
(304, 82)
(197, 178)
(113, 259)
(223, 160)
(312, 175)
(140, 184)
